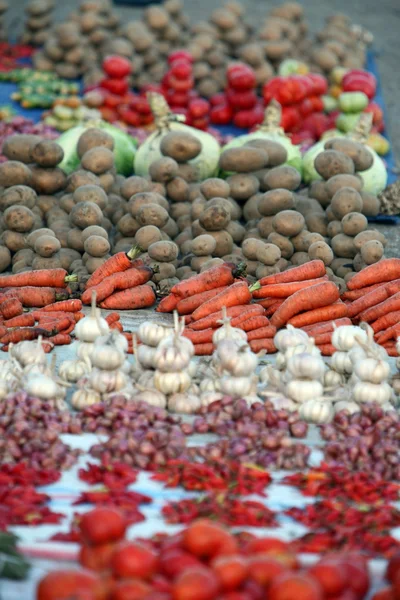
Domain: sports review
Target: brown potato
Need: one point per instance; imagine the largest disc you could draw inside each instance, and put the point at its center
(5, 258)
(163, 251)
(288, 223)
(152, 214)
(275, 201)
(358, 263)
(346, 200)
(96, 246)
(371, 204)
(47, 245)
(277, 154)
(265, 271)
(19, 147)
(134, 185)
(268, 254)
(283, 243)
(265, 227)
(203, 245)
(330, 163)
(47, 154)
(236, 230)
(18, 218)
(250, 247)
(46, 263)
(80, 178)
(14, 173)
(164, 169)
(243, 160)
(299, 258)
(98, 160)
(317, 223)
(250, 209)
(285, 177)
(93, 230)
(32, 237)
(321, 251)
(18, 194)
(353, 223)
(301, 241)
(178, 190)
(318, 189)
(143, 199)
(334, 227)
(214, 187)
(67, 203)
(180, 209)
(224, 242)
(13, 240)
(67, 256)
(48, 181)
(370, 234)
(197, 229)
(372, 251)
(198, 261)
(91, 193)
(94, 138)
(165, 271)
(106, 181)
(85, 214)
(359, 154)
(243, 186)
(343, 246)
(94, 263)
(171, 229)
(147, 235)
(335, 183)
(180, 146)
(214, 218)
(46, 203)
(128, 225)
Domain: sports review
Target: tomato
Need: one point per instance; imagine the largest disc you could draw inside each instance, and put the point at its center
(294, 586)
(248, 118)
(286, 90)
(134, 560)
(146, 119)
(130, 117)
(133, 589)
(196, 584)
(108, 114)
(317, 123)
(384, 594)
(360, 82)
(102, 525)
(173, 561)
(181, 69)
(150, 87)
(218, 99)
(142, 106)
(119, 87)
(393, 567)
(221, 115)
(64, 585)
(376, 111)
(330, 575)
(180, 55)
(266, 545)
(290, 118)
(231, 570)
(201, 123)
(319, 83)
(199, 107)
(96, 558)
(117, 67)
(236, 67)
(181, 85)
(242, 100)
(204, 538)
(242, 80)
(264, 567)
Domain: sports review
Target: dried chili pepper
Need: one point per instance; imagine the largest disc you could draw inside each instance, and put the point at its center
(112, 475)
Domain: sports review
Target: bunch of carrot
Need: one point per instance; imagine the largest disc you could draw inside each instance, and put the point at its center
(121, 283)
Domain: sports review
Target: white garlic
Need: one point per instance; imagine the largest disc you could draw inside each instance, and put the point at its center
(171, 383)
(146, 356)
(146, 379)
(372, 370)
(114, 338)
(4, 389)
(333, 379)
(351, 407)
(301, 391)
(151, 334)
(171, 359)
(372, 392)
(92, 326)
(82, 398)
(306, 366)
(227, 332)
(237, 387)
(344, 338)
(342, 363)
(208, 398)
(107, 357)
(239, 362)
(28, 353)
(84, 352)
(107, 381)
(184, 403)
(290, 337)
(209, 385)
(282, 403)
(316, 411)
(41, 386)
(73, 370)
(153, 397)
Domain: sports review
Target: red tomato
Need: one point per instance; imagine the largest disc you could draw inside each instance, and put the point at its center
(237, 67)
(117, 67)
(146, 119)
(130, 590)
(111, 100)
(263, 545)
(196, 584)
(96, 558)
(64, 585)
(319, 84)
(376, 111)
(245, 119)
(102, 525)
(294, 586)
(242, 100)
(199, 107)
(204, 538)
(264, 567)
(290, 117)
(384, 594)
(180, 55)
(393, 567)
(318, 123)
(302, 136)
(231, 570)
(242, 80)
(331, 576)
(218, 99)
(360, 81)
(181, 85)
(150, 87)
(161, 584)
(181, 69)
(130, 117)
(134, 560)
(201, 123)
(142, 106)
(173, 561)
(177, 98)
(108, 114)
(221, 115)
(271, 88)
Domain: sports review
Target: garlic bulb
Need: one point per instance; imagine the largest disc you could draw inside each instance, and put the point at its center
(73, 370)
(372, 370)
(289, 337)
(146, 356)
(92, 326)
(210, 385)
(176, 339)
(114, 338)
(342, 363)
(239, 362)
(227, 332)
(82, 398)
(351, 407)
(4, 389)
(184, 403)
(333, 379)
(153, 397)
(301, 391)
(171, 383)
(126, 367)
(146, 379)
(41, 386)
(308, 348)
(306, 366)
(84, 352)
(237, 387)
(171, 359)
(107, 357)
(372, 392)
(317, 411)
(344, 338)
(37, 369)
(208, 398)
(388, 407)
(151, 334)
(107, 381)
(282, 403)
(28, 353)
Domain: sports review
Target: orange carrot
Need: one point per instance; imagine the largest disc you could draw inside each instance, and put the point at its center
(128, 335)
(391, 333)
(390, 348)
(3, 331)
(310, 270)
(383, 308)
(393, 287)
(327, 349)
(70, 306)
(264, 344)
(39, 278)
(317, 315)
(52, 316)
(325, 326)
(69, 329)
(203, 349)
(187, 305)
(246, 313)
(112, 318)
(11, 308)
(142, 296)
(122, 261)
(117, 325)
(373, 298)
(261, 333)
(356, 294)
(199, 337)
(237, 293)
(208, 280)
(214, 319)
(267, 302)
(24, 334)
(254, 322)
(37, 296)
(168, 304)
(284, 290)
(322, 338)
(273, 308)
(26, 320)
(386, 321)
(384, 270)
(188, 319)
(317, 296)
(118, 281)
(61, 339)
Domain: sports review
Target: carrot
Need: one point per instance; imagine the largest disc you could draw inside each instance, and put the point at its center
(78, 316)
(393, 287)
(356, 294)
(317, 296)
(70, 306)
(383, 308)
(208, 280)
(391, 333)
(3, 331)
(327, 349)
(322, 338)
(39, 278)
(187, 306)
(118, 281)
(188, 319)
(261, 333)
(384, 270)
(284, 290)
(61, 339)
(42, 315)
(112, 318)
(317, 315)
(254, 322)
(122, 261)
(69, 329)
(374, 297)
(325, 326)
(117, 325)
(390, 348)
(203, 349)
(168, 304)
(264, 344)
(246, 313)
(266, 302)
(386, 321)
(24, 334)
(11, 308)
(310, 270)
(199, 337)
(37, 296)
(237, 293)
(273, 308)
(142, 296)
(214, 319)
(26, 320)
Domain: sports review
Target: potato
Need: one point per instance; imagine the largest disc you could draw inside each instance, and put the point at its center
(372, 251)
(18, 218)
(47, 245)
(147, 235)
(67, 203)
(180, 146)
(299, 258)
(317, 223)
(14, 173)
(13, 240)
(106, 181)
(94, 263)
(163, 251)
(170, 229)
(236, 230)
(370, 234)
(85, 214)
(359, 154)
(288, 223)
(163, 170)
(343, 246)
(134, 185)
(268, 254)
(165, 271)
(275, 201)
(152, 214)
(243, 160)
(18, 194)
(94, 138)
(214, 218)
(178, 190)
(46, 263)
(277, 154)
(141, 199)
(48, 181)
(251, 267)
(371, 204)
(318, 189)
(96, 246)
(335, 227)
(224, 242)
(198, 261)
(353, 223)
(301, 241)
(321, 251)
(285, 245)
(5, 258)
(189, 173)
(98, 160)
(197, 229)
(330, 163)
(228, 204)
(26, 255)
(93, 230)
(335, 183)
(35, 235)
(250, 247)
(180, 209)
(47, 154)
(203, 245)
(19, 147)
(128, 226)
(214, 187)
(124, 245)
(91, 193)
(243, 186)
(250, 209)
(67, 256)
(358, 263)
(46, 203)
(285, 177)
(346, 200)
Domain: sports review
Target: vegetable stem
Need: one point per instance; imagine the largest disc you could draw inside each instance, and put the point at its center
(255, 286)
(134, 252)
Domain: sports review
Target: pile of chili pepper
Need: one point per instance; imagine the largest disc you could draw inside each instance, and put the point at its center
(22, 474)
(11, 54)
(111, 475)
(22, 505)
(126, 501)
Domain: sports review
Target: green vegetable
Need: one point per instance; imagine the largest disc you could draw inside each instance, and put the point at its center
(347, 122)
(12, 564)
(330, 103)
(353, 102)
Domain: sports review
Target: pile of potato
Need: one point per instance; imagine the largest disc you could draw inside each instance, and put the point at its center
(3, 27)
(39, 21)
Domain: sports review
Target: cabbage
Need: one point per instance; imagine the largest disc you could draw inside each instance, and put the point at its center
(270, 130)
(206, 162)
(124, 147)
